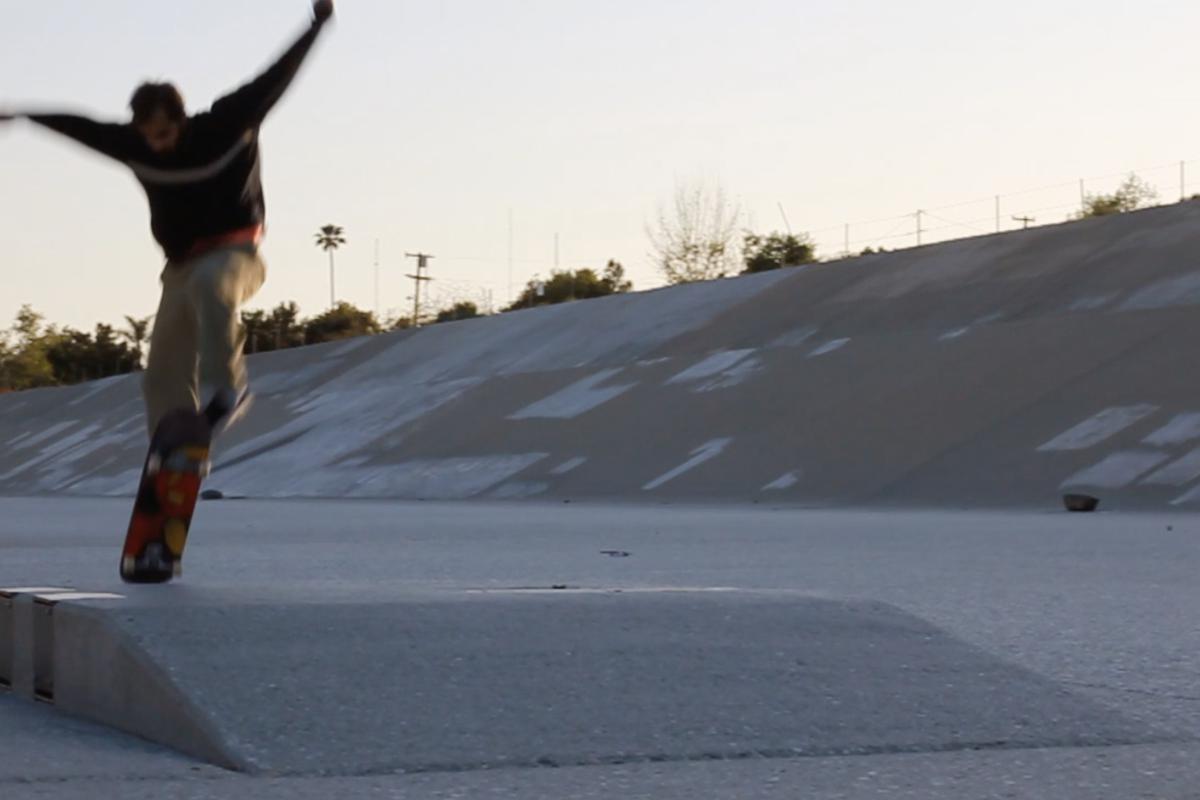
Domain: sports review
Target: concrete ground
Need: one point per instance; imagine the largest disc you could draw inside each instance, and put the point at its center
(1084, 625)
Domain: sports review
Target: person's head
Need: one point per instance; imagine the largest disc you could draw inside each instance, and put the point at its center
(158, 115)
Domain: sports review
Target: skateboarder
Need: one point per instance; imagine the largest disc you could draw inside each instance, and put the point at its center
(201, 176)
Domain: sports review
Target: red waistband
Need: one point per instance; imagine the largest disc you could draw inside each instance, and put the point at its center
(250, 235)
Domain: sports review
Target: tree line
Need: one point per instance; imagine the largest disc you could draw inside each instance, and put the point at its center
(35, 354)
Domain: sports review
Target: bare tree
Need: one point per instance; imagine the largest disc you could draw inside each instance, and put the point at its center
(696, 238)
(1132, 194)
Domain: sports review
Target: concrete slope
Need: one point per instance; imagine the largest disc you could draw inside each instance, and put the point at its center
(990, 372)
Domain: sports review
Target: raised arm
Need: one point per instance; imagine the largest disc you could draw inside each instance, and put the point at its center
(108, 138)
(248, 106)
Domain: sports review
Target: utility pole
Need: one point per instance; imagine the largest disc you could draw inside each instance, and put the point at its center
(919, 229)
(1024, 221)
(423, 260)
(786, 223)
(509, 297)
(376, 279)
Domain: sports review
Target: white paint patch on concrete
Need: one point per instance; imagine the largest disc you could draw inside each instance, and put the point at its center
(1187, 498)
(438, 479)
(784, 483)
(57, 449)
(16, 440)
(57, 597)
(620, 329)
(577, 399)
(653, 362)
(33, 590)
(1180, 472)
(1106, 424)
(1117, 470)
(958, 333)
(569, 466)
(796, 338)
(289, 380)
(519, 490)
(346, 349)
(33, 439)
(1168, 293)
(1181, 430)
(123, 484)
(64, 467)
(829, 347)
(9, 407)
(95, 387)
(734, 376)
(371, 407)
(1091, 302)
(713, 365)
(302, 454)
(700, 455)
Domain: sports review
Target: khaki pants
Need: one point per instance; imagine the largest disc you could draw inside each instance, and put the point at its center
(197, 340)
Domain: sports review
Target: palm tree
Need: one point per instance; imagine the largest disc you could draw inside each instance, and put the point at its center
(330, 238)
(136, 332)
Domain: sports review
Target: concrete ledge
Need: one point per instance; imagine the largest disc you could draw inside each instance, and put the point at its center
(18, 638)
(100, 674)
(466, 680)
(59, 647)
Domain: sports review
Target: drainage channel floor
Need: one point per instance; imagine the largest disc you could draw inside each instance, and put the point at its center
(1089, 611)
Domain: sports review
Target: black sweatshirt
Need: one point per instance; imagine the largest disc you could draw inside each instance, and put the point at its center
(210, 183)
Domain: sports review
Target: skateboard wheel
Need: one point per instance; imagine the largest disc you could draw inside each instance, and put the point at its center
(153, 464)
(128, 565)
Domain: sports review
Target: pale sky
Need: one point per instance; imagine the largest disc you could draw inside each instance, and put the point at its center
(421, 125)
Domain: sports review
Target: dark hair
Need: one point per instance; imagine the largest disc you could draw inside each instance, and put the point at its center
(150, 97)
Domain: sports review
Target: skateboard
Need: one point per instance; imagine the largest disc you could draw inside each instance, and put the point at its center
(176, 465)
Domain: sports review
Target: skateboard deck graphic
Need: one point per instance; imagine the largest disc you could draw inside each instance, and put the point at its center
(170, 484)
